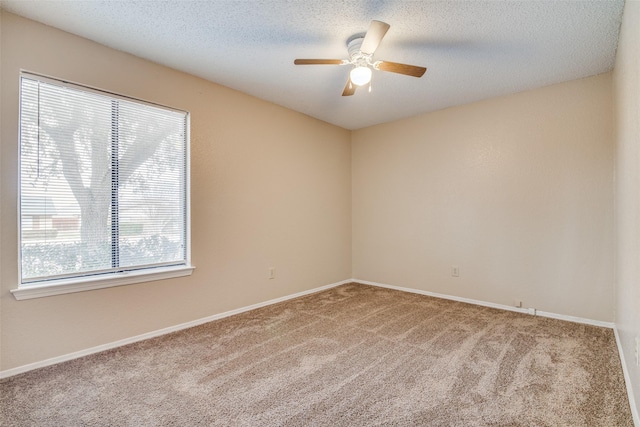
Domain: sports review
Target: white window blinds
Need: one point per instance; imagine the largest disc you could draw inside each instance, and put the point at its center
(103, 185)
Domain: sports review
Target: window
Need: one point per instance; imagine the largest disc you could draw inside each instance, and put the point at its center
(103, 189)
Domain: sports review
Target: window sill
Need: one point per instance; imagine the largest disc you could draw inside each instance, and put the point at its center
(67, 286)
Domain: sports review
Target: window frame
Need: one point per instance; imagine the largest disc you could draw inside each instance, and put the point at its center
(56, 286)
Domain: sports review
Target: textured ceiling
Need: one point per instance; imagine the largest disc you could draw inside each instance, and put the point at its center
(473, 50)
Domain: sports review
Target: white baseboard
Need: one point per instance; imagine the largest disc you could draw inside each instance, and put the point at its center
(565, 317)
(627, 381)
(170, 329)
(59, 359)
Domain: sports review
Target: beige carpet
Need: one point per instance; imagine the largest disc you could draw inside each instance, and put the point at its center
(354, 355)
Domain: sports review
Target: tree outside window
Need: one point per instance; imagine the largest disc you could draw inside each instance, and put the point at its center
(103, 182)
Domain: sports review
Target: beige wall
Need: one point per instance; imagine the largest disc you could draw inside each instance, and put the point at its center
(270, 187)
(626, 78)
(1, 239)
(516, 191)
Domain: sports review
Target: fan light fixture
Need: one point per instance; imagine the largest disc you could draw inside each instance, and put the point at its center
(360, 75)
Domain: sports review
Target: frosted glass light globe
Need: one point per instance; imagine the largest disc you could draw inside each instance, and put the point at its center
(360, 75)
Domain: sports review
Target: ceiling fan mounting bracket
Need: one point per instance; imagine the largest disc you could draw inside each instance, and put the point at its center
(357, 36)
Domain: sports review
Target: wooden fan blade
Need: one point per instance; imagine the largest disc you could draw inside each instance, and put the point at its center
(318, 61)
(375, 33)
(349, 89)
(394, 67)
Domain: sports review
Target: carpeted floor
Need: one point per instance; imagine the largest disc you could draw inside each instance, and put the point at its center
(354, 355)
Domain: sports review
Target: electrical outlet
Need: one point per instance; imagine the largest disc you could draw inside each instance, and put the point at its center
(455, 271)
(272, 272)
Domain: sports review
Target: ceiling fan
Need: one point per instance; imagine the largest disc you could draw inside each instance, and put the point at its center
(361, 49)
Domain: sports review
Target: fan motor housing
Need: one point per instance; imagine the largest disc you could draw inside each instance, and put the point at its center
(353, 46)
